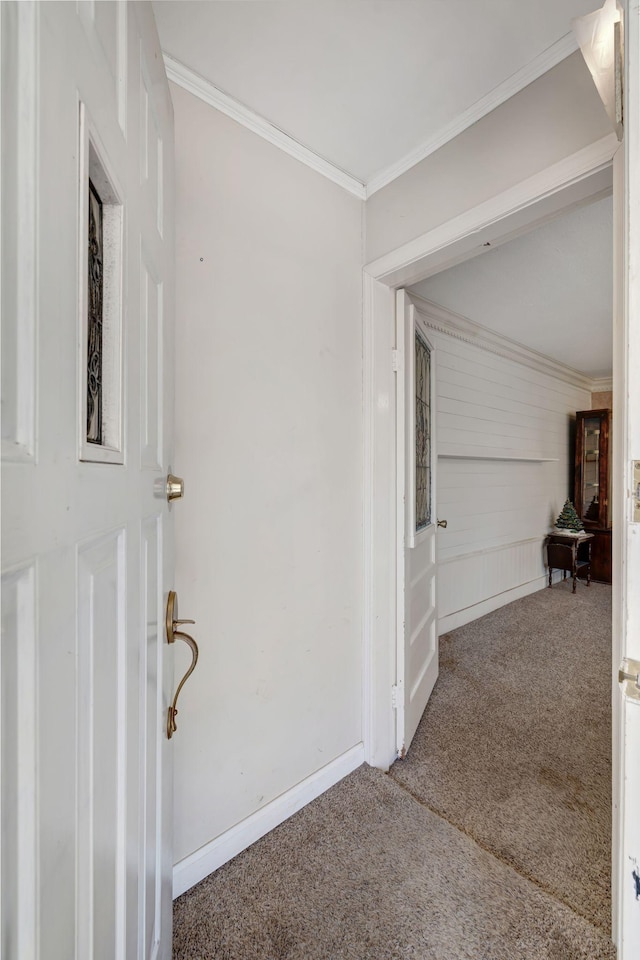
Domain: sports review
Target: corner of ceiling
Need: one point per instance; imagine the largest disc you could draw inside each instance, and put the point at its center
(549, 58)
(200, 87)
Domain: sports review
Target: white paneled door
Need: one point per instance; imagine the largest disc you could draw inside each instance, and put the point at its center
(626, 507)
(417, 626)
(87, 543)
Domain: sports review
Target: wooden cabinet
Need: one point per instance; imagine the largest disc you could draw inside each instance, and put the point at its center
(592, 468)
(601, 556)
(592, 481)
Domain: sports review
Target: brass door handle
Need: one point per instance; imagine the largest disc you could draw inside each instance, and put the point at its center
(442, 523)
(172, 634)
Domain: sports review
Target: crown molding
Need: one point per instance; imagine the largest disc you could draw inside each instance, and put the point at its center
(199, 87)
(461, 328)
(190, 80)
(602, 385)
(549, 58)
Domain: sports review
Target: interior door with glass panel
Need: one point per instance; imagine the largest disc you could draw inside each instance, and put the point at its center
(417, 623)
(87, 542)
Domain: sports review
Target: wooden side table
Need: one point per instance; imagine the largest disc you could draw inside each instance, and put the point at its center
(569, 554)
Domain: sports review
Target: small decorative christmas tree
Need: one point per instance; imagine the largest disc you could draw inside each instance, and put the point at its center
(569, 519)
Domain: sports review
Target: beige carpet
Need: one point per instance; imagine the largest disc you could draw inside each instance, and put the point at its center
(514, 747)
(368, 872)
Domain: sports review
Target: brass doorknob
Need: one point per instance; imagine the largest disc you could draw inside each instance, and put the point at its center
(442, 523)
(175, 488)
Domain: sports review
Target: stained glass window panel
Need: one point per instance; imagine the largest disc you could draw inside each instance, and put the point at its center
(95, 298)
(423, 433)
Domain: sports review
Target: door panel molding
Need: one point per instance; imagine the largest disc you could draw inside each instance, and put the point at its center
(18, 699)
(20, 201)
(101, 750)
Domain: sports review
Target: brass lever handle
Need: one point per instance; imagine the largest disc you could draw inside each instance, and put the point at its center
(442, 523)
(172, 634)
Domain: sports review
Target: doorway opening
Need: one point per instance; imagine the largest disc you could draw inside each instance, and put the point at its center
(579, 181)
(510, 750)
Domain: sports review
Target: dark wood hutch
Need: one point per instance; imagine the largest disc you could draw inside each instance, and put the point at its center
(592, 483)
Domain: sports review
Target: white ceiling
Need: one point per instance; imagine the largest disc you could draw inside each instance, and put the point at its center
(371, 86)
(365, 83)
(550, 290)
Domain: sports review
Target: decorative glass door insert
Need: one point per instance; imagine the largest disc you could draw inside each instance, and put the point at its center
(101, 224)
(95, 297)
(422, 432)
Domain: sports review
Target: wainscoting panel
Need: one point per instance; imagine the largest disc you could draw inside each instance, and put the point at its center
(482, 575)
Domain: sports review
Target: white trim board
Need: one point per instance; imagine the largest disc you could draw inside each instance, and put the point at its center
(207, 91)
(582, 177)
(500, 457)
(198, 865)
(199, 87)
(496, 548)
(461, 328)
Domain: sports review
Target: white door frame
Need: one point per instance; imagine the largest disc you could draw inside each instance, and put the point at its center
(578, 179)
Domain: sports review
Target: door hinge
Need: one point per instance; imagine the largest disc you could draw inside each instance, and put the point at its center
(629, 678)
(395, 695)
(636, 491)
(395, 361)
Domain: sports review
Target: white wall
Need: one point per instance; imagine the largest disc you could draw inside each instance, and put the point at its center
(269, 441)
(553, 117)
(497, 511)
(269, 438)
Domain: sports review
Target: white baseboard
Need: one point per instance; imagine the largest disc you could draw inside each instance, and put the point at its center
(204, 861)
(460, 617)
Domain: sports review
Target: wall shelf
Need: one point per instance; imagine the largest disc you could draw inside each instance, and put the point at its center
(487, 456)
